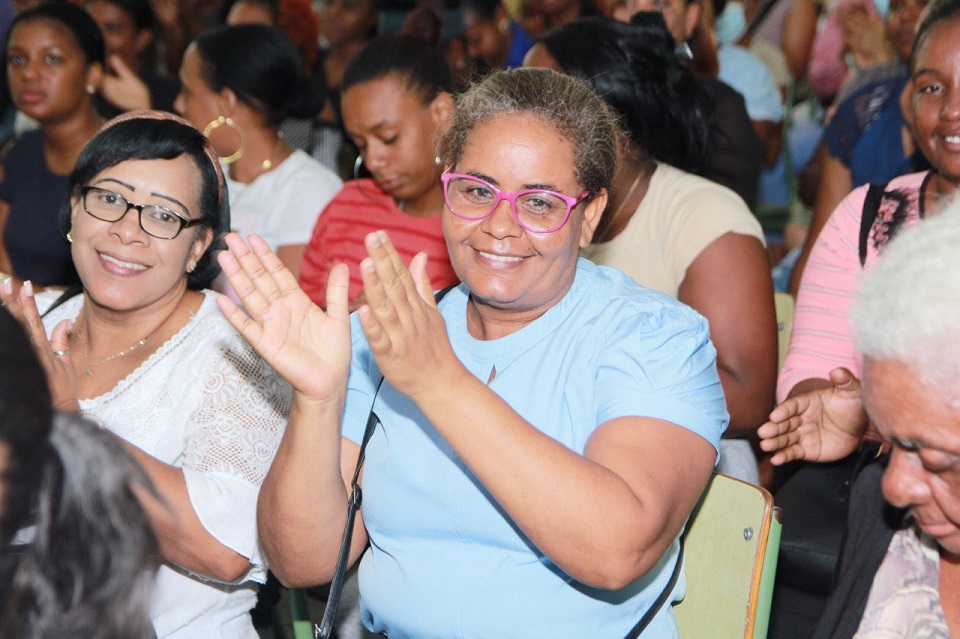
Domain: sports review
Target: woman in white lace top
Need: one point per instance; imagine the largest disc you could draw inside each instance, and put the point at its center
(145, 350)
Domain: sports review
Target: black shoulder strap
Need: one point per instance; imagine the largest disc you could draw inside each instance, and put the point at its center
(871, 205)
(71, 292)
(655, 607)
(325, 628)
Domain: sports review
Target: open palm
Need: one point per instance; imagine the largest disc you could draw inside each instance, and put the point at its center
(310, 348)
(820, 425)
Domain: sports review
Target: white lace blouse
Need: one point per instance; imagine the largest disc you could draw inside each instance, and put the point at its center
(207, 403)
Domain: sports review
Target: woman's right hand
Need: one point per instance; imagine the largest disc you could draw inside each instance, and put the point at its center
(53, 353)
(821, 425)
(310, 348)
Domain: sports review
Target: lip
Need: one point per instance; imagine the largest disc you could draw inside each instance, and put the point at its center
(951, 139)
(497, 260)
(31, 97)
(121, 265)
(937, 530)
(390, 184)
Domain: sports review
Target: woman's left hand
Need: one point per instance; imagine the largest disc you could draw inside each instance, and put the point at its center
(406, 332)
(53, 353)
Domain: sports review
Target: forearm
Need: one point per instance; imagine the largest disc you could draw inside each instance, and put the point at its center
(183, 539)
(580, 513)
(302, 507)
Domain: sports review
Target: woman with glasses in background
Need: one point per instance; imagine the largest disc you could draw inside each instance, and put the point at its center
(514, 484)
(144, 350)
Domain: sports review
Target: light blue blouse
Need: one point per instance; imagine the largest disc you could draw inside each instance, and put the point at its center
(445, 559)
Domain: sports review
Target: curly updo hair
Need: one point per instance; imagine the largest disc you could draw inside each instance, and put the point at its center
(566, 103)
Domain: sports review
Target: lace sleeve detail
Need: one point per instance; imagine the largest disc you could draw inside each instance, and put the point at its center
(237, 426)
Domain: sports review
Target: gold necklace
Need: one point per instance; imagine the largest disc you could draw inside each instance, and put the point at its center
(623, 202)
(86, 349)
(267, 164)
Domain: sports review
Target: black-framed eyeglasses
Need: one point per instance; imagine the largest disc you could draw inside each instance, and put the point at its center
(155, 220)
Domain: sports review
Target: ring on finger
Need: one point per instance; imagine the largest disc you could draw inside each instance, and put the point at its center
(61, 353)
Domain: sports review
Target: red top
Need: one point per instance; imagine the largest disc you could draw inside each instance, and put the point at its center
(360, 208)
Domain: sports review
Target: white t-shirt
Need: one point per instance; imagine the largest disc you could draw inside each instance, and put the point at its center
(282, 205)
(207, 403)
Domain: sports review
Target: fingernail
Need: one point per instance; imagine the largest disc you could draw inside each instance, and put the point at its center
(382, 236)
(28, 288)
(7, 286)
(367, 265)
(374, 239)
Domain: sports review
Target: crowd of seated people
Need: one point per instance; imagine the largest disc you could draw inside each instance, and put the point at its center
(499, 262)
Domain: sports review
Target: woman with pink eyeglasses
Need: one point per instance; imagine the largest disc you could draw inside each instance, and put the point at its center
(543, 430)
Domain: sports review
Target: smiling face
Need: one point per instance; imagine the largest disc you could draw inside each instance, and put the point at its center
(396, 134)
(924, 470)
(936, 99)
(507, 268)
(48, 71)
(120, 265)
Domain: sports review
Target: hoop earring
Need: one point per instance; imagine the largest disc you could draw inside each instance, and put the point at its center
(683, 52)
(356, 167)
(227, 120)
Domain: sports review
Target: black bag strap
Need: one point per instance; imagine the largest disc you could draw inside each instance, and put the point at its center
(325, 628)
(758, 17)
(655, 607)
(68, 294)
(871, 206)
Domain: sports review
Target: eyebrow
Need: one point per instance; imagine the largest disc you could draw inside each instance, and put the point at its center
(153, 193)
(526, 187)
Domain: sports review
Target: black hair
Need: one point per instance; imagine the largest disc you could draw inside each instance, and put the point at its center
(152, 136)
(415, 61)
(90, 564)
(941, 12)
(76, 20)
(140, 12)
(260, 64)
(483, 9)
(272, 7)
(664, 108)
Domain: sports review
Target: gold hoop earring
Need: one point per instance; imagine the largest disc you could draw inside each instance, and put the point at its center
(228, 121)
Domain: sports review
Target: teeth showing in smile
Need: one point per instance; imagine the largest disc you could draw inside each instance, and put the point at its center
(952, 139)
(500, 258)
(129, 265)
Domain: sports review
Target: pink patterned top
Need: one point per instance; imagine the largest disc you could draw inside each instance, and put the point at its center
(821, 338)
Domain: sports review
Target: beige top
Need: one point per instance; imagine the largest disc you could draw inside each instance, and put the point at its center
(680, 215)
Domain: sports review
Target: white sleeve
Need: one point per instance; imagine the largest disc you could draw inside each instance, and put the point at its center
(231, 440)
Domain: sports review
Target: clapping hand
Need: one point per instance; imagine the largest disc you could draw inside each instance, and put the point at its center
(306, 345)
(820, 425)
(53, 353)
(406, 333)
